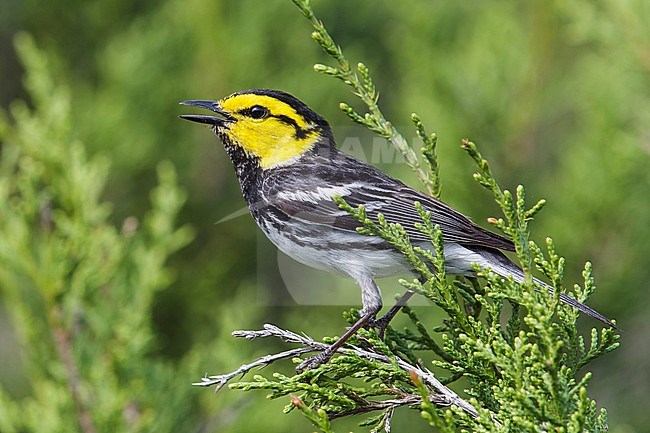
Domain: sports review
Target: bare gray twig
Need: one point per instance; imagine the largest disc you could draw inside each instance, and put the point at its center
(220, 380)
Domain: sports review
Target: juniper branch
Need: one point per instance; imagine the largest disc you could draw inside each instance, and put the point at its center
(443, 396)
(364, 88)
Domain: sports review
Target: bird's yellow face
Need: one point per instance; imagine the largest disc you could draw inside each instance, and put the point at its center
(270, 126)
(266, 128)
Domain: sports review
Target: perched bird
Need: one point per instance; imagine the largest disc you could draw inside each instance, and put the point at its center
(289, 170)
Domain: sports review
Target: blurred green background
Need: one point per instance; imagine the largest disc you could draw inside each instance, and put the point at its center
(555, 93)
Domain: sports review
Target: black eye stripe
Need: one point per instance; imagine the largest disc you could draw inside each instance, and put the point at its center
(300, 132)
(286, 119)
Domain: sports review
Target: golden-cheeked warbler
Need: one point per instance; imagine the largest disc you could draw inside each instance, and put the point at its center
(289, 170)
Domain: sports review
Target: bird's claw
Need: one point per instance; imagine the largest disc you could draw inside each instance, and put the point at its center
(380, 325)
(313, 362)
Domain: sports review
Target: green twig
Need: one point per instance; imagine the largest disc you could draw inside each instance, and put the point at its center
(364, 88)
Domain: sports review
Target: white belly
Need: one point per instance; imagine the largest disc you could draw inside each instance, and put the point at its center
(369, 260)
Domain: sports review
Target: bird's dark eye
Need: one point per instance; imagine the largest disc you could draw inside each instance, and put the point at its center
(258, 112)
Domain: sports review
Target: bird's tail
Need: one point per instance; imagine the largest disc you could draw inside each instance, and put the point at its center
(500, 264)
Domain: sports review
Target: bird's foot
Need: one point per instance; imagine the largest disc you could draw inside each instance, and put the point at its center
(366, 321)
(379, 325)
(382, 323)
(325, 355)
(314, 361)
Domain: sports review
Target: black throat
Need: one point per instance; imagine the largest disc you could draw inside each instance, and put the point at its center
(247, 168)
(249, 171)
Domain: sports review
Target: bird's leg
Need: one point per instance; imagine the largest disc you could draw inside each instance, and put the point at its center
(371, 300)
(382, 323)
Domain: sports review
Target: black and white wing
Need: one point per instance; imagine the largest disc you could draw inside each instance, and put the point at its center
(309, 198)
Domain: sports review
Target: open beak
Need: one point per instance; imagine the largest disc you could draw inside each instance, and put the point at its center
(209, 120)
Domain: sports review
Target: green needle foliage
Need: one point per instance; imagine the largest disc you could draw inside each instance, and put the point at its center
(518, 351)
(78, 289)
